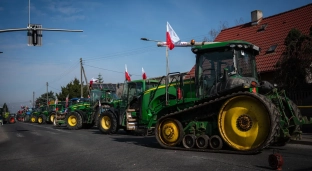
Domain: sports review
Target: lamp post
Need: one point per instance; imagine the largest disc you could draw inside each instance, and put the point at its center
(167, 65)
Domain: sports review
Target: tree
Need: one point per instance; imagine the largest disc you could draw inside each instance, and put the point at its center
(100, 78)
(213, 33)
(42, 100)
(72, 89)
(5, 108)
(295, 64)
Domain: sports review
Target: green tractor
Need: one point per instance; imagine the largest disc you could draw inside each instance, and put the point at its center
(111, 119)
(73, 104)
(43, 109)
(6, 117)
(224, 108)
(47, 116)
(86, 114)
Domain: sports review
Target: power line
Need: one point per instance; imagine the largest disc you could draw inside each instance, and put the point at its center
(110, 70)
(54, 88)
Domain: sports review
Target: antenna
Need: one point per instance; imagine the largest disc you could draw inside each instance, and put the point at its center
(28, 13)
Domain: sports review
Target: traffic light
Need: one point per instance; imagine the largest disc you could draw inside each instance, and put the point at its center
(34, 35)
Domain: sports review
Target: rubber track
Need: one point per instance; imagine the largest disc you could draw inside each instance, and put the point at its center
(275, 117)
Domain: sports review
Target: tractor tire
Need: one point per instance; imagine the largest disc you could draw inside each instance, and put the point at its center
(51, 118)
(73, 120)
(41, 119)
(248, 123)
(33, 119)
(169, 132)
(107, 123)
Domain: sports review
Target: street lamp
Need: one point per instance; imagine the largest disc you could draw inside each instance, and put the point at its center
(1, 52)
(167, 65)
(167, 59)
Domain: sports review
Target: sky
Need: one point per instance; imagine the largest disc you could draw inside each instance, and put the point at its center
(109, 41)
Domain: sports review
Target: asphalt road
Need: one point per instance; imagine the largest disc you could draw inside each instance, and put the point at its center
(25, 146)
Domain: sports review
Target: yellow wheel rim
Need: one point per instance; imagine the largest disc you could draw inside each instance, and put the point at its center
(72, 120)
(39, 120)
(105, 122)
(52, 118)
(33, 119)
(244, 122)
(169, 132)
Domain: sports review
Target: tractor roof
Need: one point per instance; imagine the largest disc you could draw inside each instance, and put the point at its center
(221, 45)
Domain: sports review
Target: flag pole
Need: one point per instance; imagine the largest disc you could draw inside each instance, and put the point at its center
(167, 74)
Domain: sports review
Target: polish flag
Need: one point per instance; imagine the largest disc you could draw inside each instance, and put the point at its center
(92, 81)
(127, 75)
(143, 74)
(67, 99)
(171, 37)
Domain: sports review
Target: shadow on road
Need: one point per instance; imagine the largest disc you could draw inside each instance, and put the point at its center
(146, 141)
(301, 142)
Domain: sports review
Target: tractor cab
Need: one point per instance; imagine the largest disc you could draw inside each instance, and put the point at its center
(224, 66)
(134, 89)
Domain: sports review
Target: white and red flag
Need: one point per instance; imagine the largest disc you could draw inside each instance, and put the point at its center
(67, 99)
(127, 74)
(93, 81)
(143, 74)
(171, 37)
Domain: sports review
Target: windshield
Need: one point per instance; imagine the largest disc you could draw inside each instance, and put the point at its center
(246, 63)
(96, 95)
(151, 85)
(134, 89)
(211, 65)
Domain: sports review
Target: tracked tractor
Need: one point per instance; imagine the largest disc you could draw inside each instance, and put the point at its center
(223, 108)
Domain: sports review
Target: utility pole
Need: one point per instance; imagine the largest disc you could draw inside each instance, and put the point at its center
(33, 100)
(81, 88)
(47, 95)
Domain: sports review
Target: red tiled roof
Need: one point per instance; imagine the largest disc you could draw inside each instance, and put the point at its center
(275, 32)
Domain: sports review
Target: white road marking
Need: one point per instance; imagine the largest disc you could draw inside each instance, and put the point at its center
(19, 135)
(35, 133)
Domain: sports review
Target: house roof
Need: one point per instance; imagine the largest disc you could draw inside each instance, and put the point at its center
(275, 30)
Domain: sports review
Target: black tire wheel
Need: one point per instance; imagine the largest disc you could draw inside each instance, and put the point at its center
(33, 119)
(73, 120)
(169, 132)
(51, 117)
(215, 142)
(107, 123)
(202, 141)
(41, 119)
(189, 141)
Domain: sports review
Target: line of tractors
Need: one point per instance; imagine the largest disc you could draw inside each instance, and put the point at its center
(224, 107)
